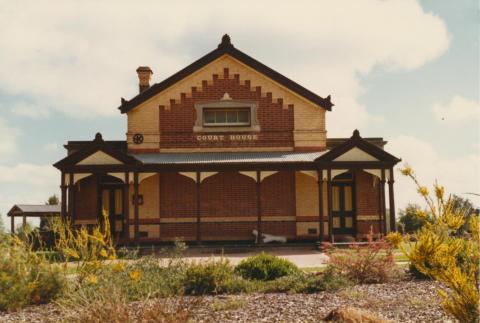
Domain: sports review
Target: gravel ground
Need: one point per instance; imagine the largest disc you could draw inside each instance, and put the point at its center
(406, 301)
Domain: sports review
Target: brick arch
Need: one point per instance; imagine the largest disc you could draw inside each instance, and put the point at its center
(228, 194)
(278, 194)
(177, 196)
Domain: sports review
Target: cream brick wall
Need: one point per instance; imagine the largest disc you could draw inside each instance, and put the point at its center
(309, 120)
(150, 189)
(302, 228)
(306, 193)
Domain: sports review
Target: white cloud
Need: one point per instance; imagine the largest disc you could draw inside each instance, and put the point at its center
(8, 140)
(459, 175)
(52, 146)
(458, 110)
(80, 57)
(26, 183)
(29, 110)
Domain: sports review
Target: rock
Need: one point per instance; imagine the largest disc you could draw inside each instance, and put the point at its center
(353, 315)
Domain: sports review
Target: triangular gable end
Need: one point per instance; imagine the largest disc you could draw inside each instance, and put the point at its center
(99, 158)
(357, 149)
(98, 152)
(355, 154)
(226, 48)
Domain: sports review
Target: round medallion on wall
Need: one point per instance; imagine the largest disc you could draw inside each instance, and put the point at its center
(138, 138)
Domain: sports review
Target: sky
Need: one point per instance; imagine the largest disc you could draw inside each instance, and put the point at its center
(404, 70)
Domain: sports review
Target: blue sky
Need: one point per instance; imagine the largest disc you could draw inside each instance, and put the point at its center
(404, 70)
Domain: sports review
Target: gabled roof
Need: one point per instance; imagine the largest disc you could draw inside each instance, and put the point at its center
(98, 144)
(225, 47)
(34, 210)
(360, 143)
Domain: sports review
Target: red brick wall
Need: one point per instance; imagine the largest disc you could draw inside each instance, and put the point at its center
(177, 196)
(278, 194)
(86, 199)
(169, 231)
(367, 201)
(228, 231)
(276, 122)
(228, 194)
(366, 194)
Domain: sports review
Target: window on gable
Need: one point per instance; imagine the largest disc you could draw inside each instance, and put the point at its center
(218, 117)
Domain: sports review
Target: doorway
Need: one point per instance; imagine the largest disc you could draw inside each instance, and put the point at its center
(111, 194)
(343, 210)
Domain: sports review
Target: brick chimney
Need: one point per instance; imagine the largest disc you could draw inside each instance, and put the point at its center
(144, 75)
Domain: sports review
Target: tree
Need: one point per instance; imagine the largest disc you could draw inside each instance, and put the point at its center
(445, 253)
(44, 222)
(409, 221)
(2, 227)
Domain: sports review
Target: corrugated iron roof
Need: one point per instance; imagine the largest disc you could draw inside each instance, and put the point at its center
(34, 210)
(40, 208)
(226, 157)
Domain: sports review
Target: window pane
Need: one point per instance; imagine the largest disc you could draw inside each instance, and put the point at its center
(348, 198)
(336, 198)
(243, 116)
(209, 117)
(232, 116)
(348, 222)
(118, 202)
(336, 222)
(220, 116)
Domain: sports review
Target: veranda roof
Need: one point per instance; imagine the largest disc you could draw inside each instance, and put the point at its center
(228, 157)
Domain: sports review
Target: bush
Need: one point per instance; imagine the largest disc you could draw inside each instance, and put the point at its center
(210, 277)
(447, 248)
(306, 283)
(26, 278)
(372, 263)
(265, 267)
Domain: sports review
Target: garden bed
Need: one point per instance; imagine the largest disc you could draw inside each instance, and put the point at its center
(405, 301)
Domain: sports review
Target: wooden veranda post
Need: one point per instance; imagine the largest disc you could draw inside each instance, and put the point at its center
(135, 203)
(259, 206)
(126, 206)
(320, 203)
(197, 199)
(391, 181)
(330, 215)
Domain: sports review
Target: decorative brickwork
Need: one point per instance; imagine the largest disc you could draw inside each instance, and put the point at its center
(177, 122)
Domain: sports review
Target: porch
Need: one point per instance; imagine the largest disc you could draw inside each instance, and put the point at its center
(335, 195)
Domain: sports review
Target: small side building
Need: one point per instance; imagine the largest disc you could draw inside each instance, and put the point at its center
(25, 211)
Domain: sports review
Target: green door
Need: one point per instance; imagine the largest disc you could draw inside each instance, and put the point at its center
(343, 208)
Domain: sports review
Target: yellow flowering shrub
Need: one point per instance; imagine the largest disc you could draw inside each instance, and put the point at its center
(445, 254)
(87, 249)
(26, 277)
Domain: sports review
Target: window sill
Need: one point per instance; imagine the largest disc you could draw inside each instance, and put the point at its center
(227, 129)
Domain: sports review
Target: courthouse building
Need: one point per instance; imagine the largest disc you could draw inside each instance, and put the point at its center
(224, 147)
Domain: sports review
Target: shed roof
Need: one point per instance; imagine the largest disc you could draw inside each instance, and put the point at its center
(34, 210)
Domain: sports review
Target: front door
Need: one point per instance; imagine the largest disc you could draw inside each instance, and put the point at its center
(112, 205)
(342, 208)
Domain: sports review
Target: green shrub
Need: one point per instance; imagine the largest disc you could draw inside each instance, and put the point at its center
(306, 283)
(265, 267)
(26, 278)
(210, 277)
